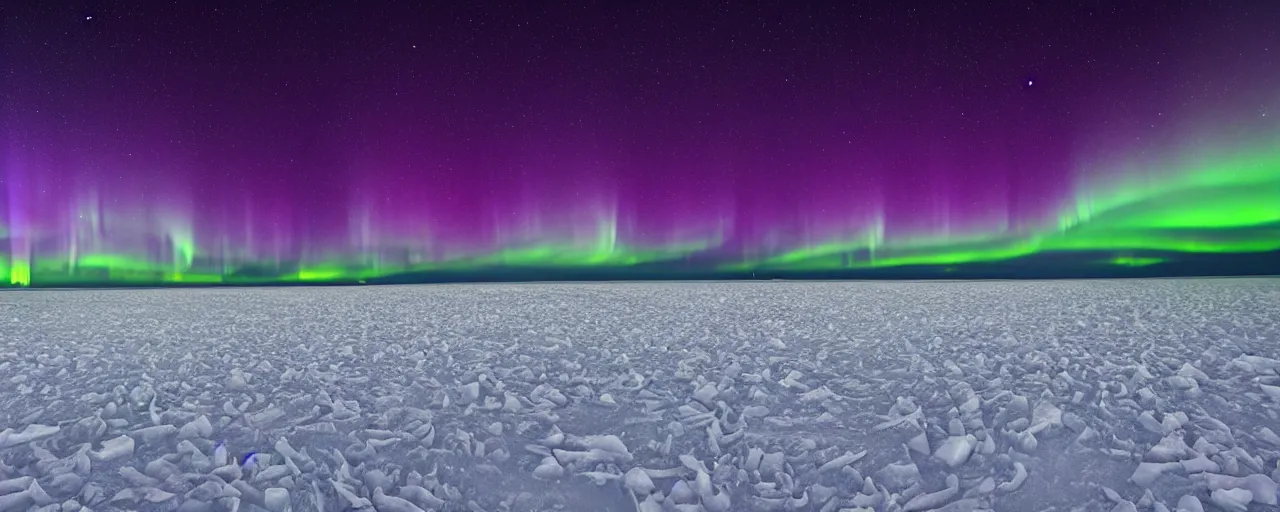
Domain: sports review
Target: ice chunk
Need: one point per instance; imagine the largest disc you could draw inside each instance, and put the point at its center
(1172, 422)
(1205, 447)
(841, 461)
(1192, 372)
(1257, 364)
(355, 500)
(1268, 435)
(276, 499)
(897, 476)
(421, 497)
(934, 499)
(988, 445)
(1232, 500)
(1200, 464)
(137, 478)
(1171, 448)
(956, 450)
(1019, 476)
(197, 428)
(16, 501)
(142, 494)
(154, 435)
(385, 503)
(1271, 391)
(547, 393)
(985, 486)
(650, 504)
(114, 449)
(161, 469)
(1045, 416)
(238, 381)
(1184, 383)
(16, 484)
(608, 443)
(274, 473)
(9, 437)
(266, 418)
(209, 491)
(770, 463)
(1027, 441)
(39, 496)
(600, 477)
(1189, 503)
(682, 493)
(1148, 421)
(229, 472)
(1018, 407)
(88, 429)
(1148, 472)
(1125, 506)
(1260, 487)
(66, 484)
(752, 461)
(712, 500)
(638, 482)
(816, 395)
(549, 469)
(919, 443)
(706, 394)
(470, 392)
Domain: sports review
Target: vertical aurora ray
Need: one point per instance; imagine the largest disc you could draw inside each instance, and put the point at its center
(17, 229)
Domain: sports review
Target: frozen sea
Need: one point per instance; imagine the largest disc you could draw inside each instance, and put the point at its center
(790, 396)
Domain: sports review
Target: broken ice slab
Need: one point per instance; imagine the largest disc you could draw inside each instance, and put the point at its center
(112, 449)
(1171, 448)
(10, 437)
(197, 428)
(1019, 476)
(1272, 392)
(935, 499)
(1257, 364)
(1261, 488)
(1231, 500)
(549, 469)
(154, 435)
(384, 503)
(841, 461)
(1046, 416)
(1147, 472)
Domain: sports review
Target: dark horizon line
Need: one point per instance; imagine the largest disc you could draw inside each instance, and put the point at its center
(1257, 265)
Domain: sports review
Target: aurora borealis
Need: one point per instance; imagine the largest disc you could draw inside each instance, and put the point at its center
(262, 143)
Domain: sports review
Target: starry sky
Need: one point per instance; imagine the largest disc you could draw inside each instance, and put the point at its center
(195, 137)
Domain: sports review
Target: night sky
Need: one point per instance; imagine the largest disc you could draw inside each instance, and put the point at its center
(328, 140)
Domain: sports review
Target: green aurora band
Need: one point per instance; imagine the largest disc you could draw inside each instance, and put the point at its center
(1225, 203)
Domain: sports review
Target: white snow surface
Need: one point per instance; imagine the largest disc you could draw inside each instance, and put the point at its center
(788, 396)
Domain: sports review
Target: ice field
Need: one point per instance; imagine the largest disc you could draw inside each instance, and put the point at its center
(788, 396)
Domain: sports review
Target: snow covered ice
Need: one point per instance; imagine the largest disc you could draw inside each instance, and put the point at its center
(789, 396)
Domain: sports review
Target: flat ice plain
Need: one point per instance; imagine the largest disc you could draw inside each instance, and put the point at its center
(790, 396)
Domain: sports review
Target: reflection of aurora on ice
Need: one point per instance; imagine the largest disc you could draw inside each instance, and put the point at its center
(1221, 205)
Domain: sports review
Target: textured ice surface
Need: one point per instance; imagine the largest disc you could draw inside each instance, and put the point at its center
(1018, 396)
